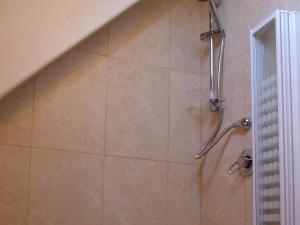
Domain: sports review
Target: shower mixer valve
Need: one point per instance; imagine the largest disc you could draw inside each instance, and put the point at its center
(243, 165)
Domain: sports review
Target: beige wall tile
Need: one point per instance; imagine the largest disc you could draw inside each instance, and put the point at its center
(137, 113)
(247, 80)
(70, 104)
(237, 35)
(66, 188)
(189, 17)
(184, 117)
(135, 192)
(222, 195)
(249, 200)
(142, 34)
(257, 10)
(97, 43)
(235, 79)
(14, 173)
(16, 116)
(188, 54)
(184, 194)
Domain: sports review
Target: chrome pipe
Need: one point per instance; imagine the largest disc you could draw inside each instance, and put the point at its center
(220, 69)
(211, 46)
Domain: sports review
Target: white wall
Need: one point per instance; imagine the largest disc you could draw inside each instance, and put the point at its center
(35, 32)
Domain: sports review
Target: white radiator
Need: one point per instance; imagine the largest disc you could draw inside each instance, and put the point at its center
(275, 61)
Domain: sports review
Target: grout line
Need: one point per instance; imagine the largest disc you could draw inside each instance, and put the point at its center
(105, 135)
(122, 156)
(135, 158)
(245, 200)
(169, 111)
(138, 62)
(15, 145)
(109, 40)
(30, 151)
(102, 192)
(90, 52)
(154, 65)
(66, 151)
(29, 186)
(182, 73)
(33, 110)
(167, 203)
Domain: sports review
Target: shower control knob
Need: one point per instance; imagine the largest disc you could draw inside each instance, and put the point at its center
(246, 123)
(243, 165)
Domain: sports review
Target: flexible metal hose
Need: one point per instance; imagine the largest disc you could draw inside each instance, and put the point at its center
(244, 123)
(214, 133)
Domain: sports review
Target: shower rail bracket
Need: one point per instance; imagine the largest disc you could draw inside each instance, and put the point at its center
(212, 34)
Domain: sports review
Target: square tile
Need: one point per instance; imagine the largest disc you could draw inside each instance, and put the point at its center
(257, 10)
(135, 192)
(16, 116)
(142, 34)
(184, 194)
(249, 201)
(189, 16)
(66, 188)
(232, 20)
(137, 113)
(14, 173)
(189, 54)
(70, 103)
(222, 195)
(97, 43)
(184, 117)
(248, 84)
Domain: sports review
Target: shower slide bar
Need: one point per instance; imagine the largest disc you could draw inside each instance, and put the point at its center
(215, 99)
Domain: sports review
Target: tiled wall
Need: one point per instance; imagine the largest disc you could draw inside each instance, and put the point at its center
(105, 135)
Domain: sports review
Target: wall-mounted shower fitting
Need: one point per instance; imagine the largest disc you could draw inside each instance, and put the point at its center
(216, 101)
(243, 165)
(215, 32)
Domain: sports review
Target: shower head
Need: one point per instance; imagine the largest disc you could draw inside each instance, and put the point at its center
(216, 2)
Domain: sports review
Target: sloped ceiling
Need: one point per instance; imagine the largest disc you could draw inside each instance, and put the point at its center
(35, 32)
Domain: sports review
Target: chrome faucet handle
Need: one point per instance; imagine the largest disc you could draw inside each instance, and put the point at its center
(243, 165)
